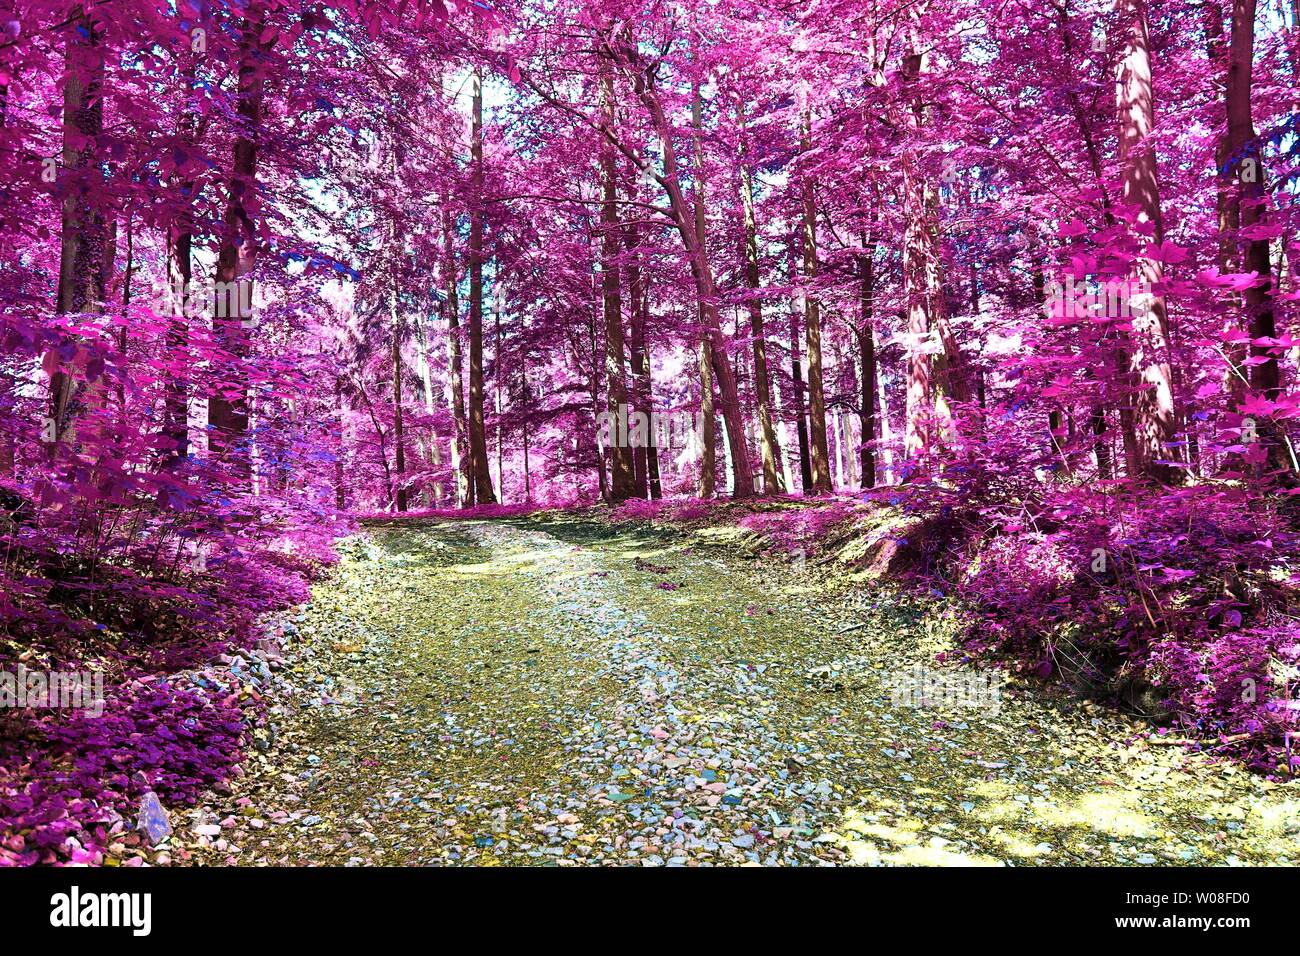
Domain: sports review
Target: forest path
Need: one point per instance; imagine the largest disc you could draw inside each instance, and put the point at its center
(529, 692)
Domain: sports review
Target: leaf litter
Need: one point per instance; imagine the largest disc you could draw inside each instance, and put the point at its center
(526, 692)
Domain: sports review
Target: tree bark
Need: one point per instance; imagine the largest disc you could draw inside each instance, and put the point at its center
(771, 450)
(867, 360)
(1249, 203)
(340, 482)
(1153, 405)
(622, 477)
(8, 382)
(821, 475)
(430, 444)
(83, 245)
(708, 437)
(482, 479)
(237, 257)
(796, 376)
(399, 431)
(639, 360)
(460, 462)
(936, 374)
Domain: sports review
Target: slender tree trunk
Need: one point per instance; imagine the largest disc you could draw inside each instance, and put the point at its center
(796, 376)
(1097, 414)
(1055, 417)
(1249, 202)
(1236, 376)
(237, 257)
(638, 360)
(430, 444)
(867, 359)
(524, 400)
(8, 382)
(602, 469)
(771, 449)
(497, 379)
(340, 482)
(123, 336)
(936, 374)
(886, 432)
(708, 422)
(916, 440)
(1153, 411)
(622, 476)
(479, 473)
(821, 475)
(708, 438)
(180, 276)
(83, 245)
(460, 461)
(399, 432)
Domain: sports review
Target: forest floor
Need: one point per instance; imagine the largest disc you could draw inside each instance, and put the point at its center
(533, 691)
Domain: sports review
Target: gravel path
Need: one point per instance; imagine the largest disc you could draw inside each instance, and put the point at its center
(533, 692)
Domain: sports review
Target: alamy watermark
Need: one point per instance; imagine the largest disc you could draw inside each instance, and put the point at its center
(630, 428)
(65, 690)
(220, 300)
(1109, 299)
(921, 686)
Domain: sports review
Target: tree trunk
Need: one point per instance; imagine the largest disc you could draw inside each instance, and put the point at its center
(498, 306)
(430, 444)
(340, 482)
(867, 359)
(399, 440)
(708, 437)
(936, 374)
(886, 434)
(771, 450)
(1153, 407)
(180, 276)
(821, 475)
(602, 470)
(796, 375)
(482, 479)
(622, 477)
(640, 401)
(237, 256)
(83, 246)
(460, 462)
(1249, 202)
(8, 382)
(706, 487)
(916, 440)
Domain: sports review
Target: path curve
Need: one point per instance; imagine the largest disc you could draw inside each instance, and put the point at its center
(528, 692)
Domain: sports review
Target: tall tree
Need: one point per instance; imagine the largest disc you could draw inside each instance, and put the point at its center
(237, 255)
(450, 303)
(708, 420)
(622, 477)
(771, 450)
(866, 336)
(821, 474)
(1153, 402)
(479, 473)
(83, 247)
(1249, 205)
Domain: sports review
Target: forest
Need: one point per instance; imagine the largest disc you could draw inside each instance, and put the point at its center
(506, 342)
